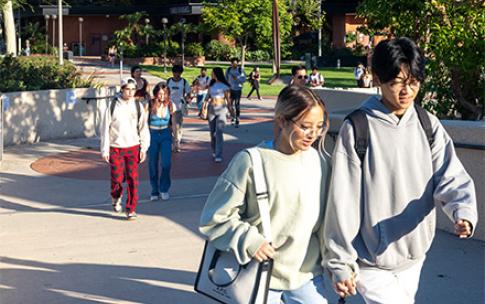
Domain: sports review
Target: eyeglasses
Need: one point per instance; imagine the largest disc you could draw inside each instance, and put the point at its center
(309, 131)
(302, 76)
(400, 85)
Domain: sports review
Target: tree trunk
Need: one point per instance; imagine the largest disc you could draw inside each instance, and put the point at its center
(9, 24)
(244, 43)
(468, 108)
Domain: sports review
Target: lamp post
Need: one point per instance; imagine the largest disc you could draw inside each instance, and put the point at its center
(61, 35)
(147, 22)
(81, 20)
(182, 22)
(47, 17)
(54, 18)
(164, 23)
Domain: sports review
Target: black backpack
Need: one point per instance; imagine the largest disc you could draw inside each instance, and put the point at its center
(360, 125)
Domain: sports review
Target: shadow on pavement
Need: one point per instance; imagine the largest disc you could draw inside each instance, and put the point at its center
(27, 281)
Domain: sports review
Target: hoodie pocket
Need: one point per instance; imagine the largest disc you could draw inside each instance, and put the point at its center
(398, 244)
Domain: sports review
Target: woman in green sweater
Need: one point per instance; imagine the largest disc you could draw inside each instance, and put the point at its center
(296, 175)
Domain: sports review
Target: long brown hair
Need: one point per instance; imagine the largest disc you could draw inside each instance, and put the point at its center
(156, 102)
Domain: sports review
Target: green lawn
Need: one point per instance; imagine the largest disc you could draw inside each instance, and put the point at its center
(342, 78)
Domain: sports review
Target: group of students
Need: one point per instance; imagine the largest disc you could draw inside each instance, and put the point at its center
(367, 213)
(138, 123)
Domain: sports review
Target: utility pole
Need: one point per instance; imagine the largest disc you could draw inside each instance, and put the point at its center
(319, 28)
(61, 40)
(276, 42)
(9, 24)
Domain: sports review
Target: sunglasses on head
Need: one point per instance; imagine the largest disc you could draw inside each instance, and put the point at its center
(302, 76)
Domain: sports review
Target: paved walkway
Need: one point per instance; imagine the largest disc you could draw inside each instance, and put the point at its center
(61, 243)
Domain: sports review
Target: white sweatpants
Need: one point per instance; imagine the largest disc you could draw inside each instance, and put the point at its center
(379, 286)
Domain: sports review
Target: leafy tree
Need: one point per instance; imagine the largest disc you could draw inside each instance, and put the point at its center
(243, 20)
(307, 14)
(452, 35)
(132, 34)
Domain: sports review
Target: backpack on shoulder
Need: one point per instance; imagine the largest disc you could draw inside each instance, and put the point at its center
(185, 108)
(360, 126)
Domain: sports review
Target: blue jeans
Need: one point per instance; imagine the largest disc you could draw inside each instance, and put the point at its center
(311, 292)
(216, 126)
(160, 144)
(200, 100)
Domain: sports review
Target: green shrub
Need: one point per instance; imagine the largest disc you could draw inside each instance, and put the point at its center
(173, 48)
(217, 50)
(38, 73)
(258, 55)
(195, 49)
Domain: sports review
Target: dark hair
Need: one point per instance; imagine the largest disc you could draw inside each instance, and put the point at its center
(219, 73)
(158, 87)
(177, 68)
(234, 59)
(297, 68)
(203, 69)
(314, 68)
(134, 68)
(391, 55)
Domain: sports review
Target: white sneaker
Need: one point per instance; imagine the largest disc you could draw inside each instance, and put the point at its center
(165, 196)
(116, 203)
(154, 197)
(218, 160)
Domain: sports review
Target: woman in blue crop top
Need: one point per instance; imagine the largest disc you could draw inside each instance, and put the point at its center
(218, 103)
(159, 122)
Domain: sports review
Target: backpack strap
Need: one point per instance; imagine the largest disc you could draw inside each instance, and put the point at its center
(112, 107)
(261, 192)
(425, 123)
(360, 125)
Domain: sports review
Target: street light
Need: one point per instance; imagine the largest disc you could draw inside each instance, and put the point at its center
(182, 21)
(81, 20)
(147, 22)
(164, 23)
(47, 17)
(54, 18)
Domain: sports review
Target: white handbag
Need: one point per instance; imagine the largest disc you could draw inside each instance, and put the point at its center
(221, 277)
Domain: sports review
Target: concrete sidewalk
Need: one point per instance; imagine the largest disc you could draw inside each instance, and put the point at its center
(61, 243)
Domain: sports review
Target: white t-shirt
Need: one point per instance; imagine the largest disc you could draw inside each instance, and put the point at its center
(177, 92)
(217, 90)
(316, 79)
(204, 82)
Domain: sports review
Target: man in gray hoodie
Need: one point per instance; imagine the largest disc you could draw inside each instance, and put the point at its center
(380, 219)
(236, 77)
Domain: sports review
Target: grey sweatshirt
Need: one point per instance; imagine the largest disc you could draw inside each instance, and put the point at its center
(236, 78)
(384, 217)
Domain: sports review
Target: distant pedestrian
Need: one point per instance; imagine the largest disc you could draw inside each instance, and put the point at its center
(124, 142)
(236, 78)
(202, 83)
(179, 90)
(112, 55)
(299, 76)
(358, 73)
(316, 79)
(160, 111)
(218, 104)
(142, 93)
(255, 78)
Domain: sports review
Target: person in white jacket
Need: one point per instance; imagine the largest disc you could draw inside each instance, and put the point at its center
(380, 219)
(125, 139)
